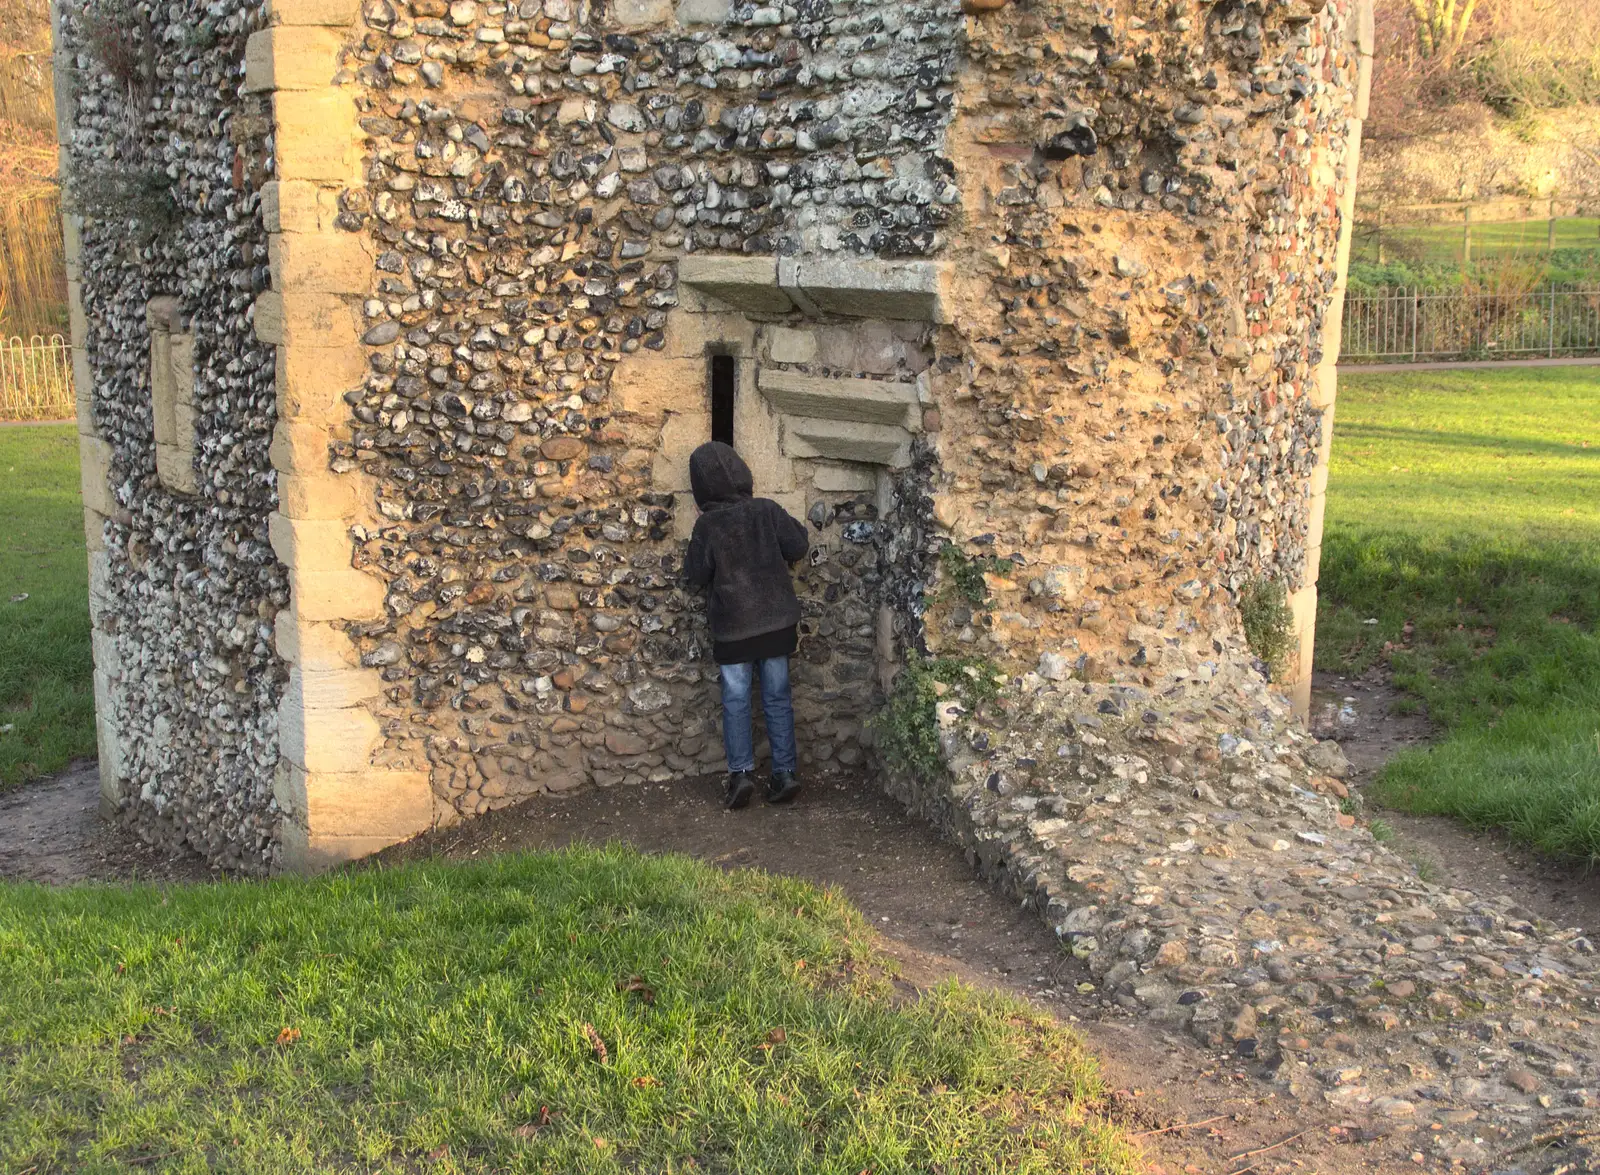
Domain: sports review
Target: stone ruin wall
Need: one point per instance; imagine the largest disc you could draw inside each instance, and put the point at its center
(503, 237)
(1143, 212)
(165, 161)
(1143, 378)
(538, 373)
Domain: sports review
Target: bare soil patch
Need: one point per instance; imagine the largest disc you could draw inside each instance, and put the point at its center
(1372, 731)
(51, 831)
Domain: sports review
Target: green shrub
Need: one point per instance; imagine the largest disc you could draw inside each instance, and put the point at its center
(1268, 623)
(907, 729)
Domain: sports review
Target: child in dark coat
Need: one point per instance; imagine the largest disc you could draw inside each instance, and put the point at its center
(742, 549)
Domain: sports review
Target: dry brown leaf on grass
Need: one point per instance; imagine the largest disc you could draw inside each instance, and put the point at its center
(637, 985)
(529, 1129)
(598, 1045)
(776, 1037)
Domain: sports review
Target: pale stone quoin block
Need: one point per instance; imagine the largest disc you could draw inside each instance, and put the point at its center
(331, 13)
(313, 646)
(325, 263)
(334, 739)
(312, 382)
(290, 58)
(316, 136)
(390, 804)
(341, 594)
(648, 384)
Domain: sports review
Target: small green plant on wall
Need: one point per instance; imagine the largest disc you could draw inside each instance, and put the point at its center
(963, 574)
(137, 198)
(907, 729)
(1268, 623)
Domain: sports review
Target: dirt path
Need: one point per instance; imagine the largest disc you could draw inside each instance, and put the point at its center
(1371, 732)
(51, 831)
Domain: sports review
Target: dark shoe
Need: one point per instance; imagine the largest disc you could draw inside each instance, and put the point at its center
(741, 786)
(783, 788)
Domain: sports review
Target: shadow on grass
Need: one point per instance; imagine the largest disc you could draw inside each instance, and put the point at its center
(46, 672)
(1498, 637)
(1421, 439)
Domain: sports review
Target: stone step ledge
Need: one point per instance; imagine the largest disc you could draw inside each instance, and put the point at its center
(867, 401)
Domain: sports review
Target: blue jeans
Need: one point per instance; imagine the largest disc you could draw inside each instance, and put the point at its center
(776, 703)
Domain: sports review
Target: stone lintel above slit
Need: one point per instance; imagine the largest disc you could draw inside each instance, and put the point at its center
(845, 287)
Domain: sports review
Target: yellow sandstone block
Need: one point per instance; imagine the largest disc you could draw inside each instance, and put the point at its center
(316, 647)
(340, 740)
(298, 206)
(310, 544)
(306, 317)
(312, 382)
(388, 804)
(300, 449)
(650, 384)
(326, 263)
(341, 594)
(316, 136)
(291, 58)
(335, 689)
(316, 497)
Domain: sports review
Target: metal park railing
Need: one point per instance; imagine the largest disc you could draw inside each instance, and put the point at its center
(1405, 325)
(36, 379)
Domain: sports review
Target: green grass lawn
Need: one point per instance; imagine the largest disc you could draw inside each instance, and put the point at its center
(46, 672)
(1464, 518)
(1442, 243)
(585, 1011)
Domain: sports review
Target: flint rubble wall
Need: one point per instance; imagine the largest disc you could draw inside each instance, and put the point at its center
(1057, 284)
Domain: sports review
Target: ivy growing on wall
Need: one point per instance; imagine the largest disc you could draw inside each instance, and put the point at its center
(1268, 623)
(907, 728)
(964, 573)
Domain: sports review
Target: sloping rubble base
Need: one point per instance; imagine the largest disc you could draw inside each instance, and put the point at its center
(1189, 848)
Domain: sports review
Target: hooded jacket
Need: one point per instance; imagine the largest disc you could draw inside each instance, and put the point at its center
(741, 548)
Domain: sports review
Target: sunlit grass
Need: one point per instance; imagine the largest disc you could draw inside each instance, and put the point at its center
(1464, 521)
(46, 671)
(587, 1011)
